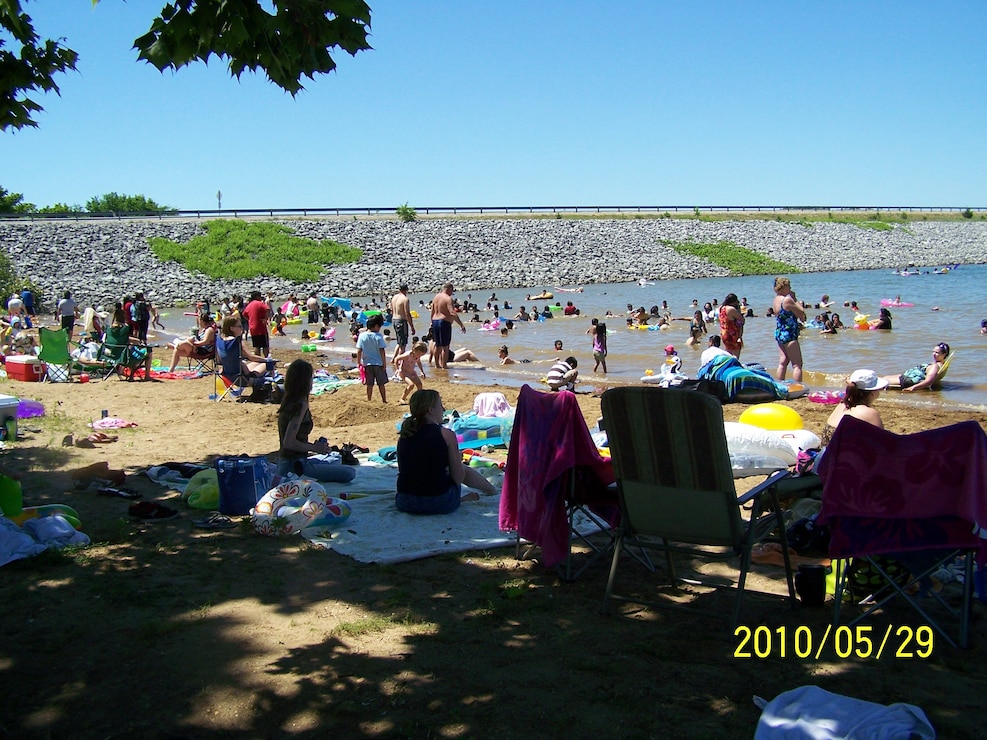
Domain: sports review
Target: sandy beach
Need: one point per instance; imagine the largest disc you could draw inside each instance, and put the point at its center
(163, 630)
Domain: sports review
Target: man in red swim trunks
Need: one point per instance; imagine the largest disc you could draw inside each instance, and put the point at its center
(443, 316)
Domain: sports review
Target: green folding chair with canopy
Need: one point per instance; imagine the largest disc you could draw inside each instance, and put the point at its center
(676, 490)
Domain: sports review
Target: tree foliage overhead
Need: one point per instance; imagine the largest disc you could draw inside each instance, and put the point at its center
(296, 39)
(30, 71)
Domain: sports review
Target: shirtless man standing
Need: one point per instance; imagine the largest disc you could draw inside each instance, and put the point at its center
(443, 316)
(402, 320)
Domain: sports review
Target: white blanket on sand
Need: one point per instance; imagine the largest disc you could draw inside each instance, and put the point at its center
(377, 532)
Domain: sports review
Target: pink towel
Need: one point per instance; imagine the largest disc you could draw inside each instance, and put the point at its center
(550, 437)
(491, 404)
(888, 492)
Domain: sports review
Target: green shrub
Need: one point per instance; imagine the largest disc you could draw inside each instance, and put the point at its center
(406, 213)
(738, 260)
(967, 213)
(240, 250)
(117, 203)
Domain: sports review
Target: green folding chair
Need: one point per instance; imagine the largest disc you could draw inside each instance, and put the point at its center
(54, 352)
(118, 353)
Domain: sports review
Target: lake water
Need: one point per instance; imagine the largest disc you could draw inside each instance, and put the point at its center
(947, 308)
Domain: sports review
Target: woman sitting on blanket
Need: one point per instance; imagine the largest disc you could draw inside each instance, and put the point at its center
(298, 455)
(431, 472)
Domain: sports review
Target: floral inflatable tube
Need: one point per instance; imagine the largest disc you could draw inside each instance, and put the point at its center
(294, 505)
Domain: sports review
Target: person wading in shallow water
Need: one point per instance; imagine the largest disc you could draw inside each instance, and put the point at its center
(443, 316)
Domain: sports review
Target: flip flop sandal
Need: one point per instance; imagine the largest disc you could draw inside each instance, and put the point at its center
(118, 492)
(215, 521)
(151, 510)
(100, 438)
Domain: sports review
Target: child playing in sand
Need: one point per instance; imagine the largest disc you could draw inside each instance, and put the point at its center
(409, 364)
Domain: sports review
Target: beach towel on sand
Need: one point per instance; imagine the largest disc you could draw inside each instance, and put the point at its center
(740, 380)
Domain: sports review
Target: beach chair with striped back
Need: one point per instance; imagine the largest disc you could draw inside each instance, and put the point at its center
(676, 490)
(231, 375)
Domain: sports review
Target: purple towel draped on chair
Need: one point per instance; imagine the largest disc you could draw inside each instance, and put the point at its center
(886, 493)
(550, 437)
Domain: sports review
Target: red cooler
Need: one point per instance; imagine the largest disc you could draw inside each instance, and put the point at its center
(25, 367)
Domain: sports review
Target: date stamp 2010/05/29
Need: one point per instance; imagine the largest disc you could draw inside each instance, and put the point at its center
(859, 641)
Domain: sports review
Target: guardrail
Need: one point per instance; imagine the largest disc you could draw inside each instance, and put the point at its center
(471, 210)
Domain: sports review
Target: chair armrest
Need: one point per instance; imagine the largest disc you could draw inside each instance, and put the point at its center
(771, 481)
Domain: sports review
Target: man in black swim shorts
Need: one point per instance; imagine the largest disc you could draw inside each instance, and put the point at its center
(443, 316)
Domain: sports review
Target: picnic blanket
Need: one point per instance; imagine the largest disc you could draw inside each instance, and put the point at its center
(377, 532)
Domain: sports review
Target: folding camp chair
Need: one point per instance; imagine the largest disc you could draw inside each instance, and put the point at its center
(917, 498)
(55, 354)
(118, 354)
(556, 482)
(205, 365)
(231, 376)
(676, 488)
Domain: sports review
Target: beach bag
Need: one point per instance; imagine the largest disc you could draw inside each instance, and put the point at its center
(715, 388)
(243, 481)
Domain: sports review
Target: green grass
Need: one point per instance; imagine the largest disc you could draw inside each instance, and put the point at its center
(238, 250)
(738, 260)
(380, 623)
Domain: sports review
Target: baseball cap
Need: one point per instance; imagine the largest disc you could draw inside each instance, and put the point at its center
(867, 380)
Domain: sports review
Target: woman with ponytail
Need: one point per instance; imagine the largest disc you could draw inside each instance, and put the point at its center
(298, 455)
(431, 472)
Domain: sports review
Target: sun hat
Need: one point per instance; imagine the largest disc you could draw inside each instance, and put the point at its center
(669, 348)
(867, 380)
(101, 312)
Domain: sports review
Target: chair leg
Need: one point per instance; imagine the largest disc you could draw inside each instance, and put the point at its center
(967, 599)
(895, 590)
(617, 547)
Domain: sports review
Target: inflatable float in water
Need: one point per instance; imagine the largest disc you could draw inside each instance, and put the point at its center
(826, 397)
(894, 302)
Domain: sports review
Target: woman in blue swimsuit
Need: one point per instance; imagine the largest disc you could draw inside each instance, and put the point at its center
(788, 314)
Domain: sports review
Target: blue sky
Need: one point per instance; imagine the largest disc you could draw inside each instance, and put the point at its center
(542, 102)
